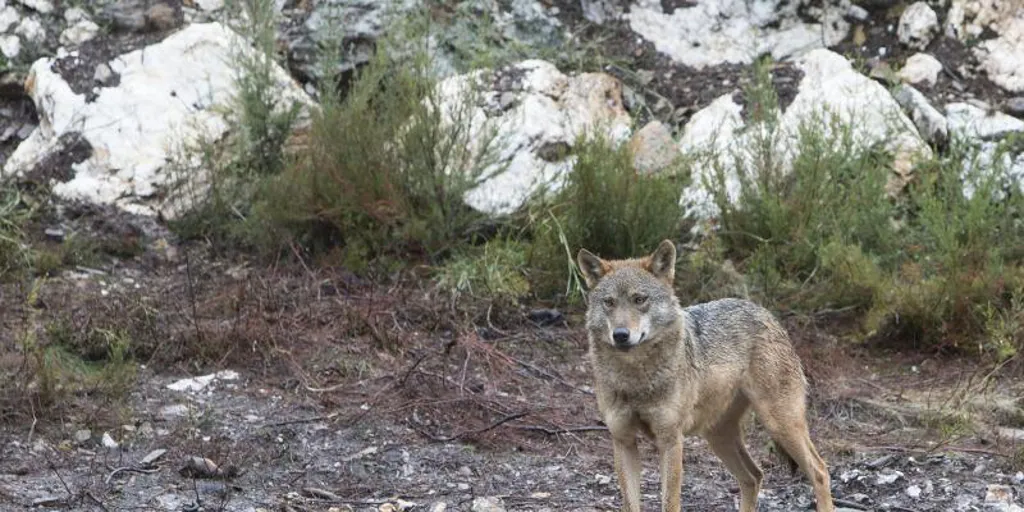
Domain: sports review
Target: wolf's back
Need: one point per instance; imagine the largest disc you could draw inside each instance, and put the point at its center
(725, 330)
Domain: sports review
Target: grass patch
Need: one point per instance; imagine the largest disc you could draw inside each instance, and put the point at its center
(494, 271)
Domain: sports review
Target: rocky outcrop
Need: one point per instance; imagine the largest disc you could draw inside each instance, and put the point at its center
(538, 112)
(169, 95)
(711, 32)
(830, 90)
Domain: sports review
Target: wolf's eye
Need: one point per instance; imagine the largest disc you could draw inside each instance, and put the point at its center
(609, 302)
(639, 300)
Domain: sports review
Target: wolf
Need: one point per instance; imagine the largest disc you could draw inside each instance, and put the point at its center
(664, 371)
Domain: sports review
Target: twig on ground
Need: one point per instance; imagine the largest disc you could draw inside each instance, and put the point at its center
(125, 469)
(313, 419)
(926, 451)
(478, 431)
(556, 431)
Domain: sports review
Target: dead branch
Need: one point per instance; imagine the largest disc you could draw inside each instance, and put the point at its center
(474, 432)
(556, 431)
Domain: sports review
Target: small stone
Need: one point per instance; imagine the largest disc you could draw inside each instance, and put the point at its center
(169, 412)
(103, 74)
(490, 504)
(506, 100)
(8, 17)
(1019, 477)
(152, 456)
(210, 5)
(74, 15)
(881, 462)
(56, 235)
(857, 13)
(602, 479)
(462, 486)
(83, 436)
(913, 491)
(999, 494)
(79, 33)
(888, 478)
(108, 441)
(40, 6)
(26, 130)
(653, 148)
(918, 25)
(161, 17)
(439, 507)
(30, 29)
(1015, 106)
(921, 68)
(10, 46)
(465, 472)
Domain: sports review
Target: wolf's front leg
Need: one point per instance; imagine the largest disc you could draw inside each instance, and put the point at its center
(670, 451)
(627, 470)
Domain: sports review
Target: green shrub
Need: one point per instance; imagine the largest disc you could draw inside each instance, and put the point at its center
(607, 207)
(387, 165)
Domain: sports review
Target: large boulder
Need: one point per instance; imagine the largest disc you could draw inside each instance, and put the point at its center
(830, 90)
(537, 113)
(711, 32)
(169, 96)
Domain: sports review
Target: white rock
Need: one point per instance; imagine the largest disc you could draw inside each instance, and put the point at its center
(913, 491)
(550, 108)
(439, 507)
(8, 17)
(171, 95)
(999, 494)
(30, 29)
(990, 161)
(1002, 57)
(40, 6)
(653, 148)
(108, 441)
(170, 412)
(973, 122)
(102, 73)
(600, 11)
(918, 25)
(74, 15)
(715, 32)
(199, 383)
(10, 46)
(921, 68)
(930, 123)
(888, 477)
(79, 33)
(492, 504)
(830, 88)
(858, 13)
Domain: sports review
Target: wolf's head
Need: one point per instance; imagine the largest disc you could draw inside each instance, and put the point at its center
(630, 301)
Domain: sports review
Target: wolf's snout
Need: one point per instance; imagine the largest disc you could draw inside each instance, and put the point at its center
(621, 336)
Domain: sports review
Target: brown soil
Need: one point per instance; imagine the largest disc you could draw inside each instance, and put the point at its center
(378, 391)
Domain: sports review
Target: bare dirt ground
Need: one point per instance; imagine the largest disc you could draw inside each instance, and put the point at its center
(354, 395)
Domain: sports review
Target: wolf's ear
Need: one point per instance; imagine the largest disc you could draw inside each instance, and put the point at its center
(593, 268)
(662, 263)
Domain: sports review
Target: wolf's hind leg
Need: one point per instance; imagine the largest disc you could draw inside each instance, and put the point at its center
(726, 441)
(784, 416)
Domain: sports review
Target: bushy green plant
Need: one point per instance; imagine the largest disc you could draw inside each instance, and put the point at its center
(387, 165)
(606, 206)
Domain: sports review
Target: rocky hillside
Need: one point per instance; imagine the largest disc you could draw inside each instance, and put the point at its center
(146, 368)
(100, 98)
